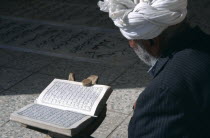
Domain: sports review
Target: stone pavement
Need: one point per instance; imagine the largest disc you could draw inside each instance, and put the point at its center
(24, 75)
(45, 39)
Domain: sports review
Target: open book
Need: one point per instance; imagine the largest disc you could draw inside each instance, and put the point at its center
(64, 107)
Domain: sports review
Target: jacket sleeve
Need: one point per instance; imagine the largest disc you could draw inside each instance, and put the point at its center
(157, 115)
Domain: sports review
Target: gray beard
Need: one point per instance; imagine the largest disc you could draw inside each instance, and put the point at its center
(144, 55)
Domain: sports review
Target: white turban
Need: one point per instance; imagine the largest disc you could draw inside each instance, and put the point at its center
(144, 19)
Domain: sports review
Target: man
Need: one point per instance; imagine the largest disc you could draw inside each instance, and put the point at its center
(176, 103)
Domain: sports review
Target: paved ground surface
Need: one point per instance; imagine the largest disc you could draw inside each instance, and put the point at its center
(24, 75)
(45, 39)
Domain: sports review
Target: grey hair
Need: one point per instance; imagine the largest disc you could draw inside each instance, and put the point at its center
(144, 55)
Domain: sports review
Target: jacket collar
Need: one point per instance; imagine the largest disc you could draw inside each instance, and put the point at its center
(159, 65)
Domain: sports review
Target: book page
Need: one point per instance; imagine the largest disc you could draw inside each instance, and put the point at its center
(72, 96)
(49, 115)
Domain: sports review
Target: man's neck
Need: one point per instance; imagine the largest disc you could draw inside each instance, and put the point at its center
(189, 38)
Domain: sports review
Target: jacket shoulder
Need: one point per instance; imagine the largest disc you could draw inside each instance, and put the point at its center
(190, 62)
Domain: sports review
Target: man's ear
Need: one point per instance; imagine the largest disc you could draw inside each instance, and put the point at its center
(153, 46)
(132, 43)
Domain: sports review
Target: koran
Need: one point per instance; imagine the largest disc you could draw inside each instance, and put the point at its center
(64, 107)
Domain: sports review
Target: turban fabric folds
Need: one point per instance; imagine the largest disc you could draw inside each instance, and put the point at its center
(144, 19)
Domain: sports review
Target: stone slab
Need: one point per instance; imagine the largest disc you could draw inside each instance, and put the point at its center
(111, 121)
(72, 42)
(122, 100)
(112, 48)
(6, 56)
(30, 62)
(82, 70)
(135, 77)
(122, 130)
(34, 84)
(9, 77)
(71, 12)
(15, 130)
(14, 54)
(84, 2)
(111, 73)
(128, 87)
(1, 91)
(11, 103)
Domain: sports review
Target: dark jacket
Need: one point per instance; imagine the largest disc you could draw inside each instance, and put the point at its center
(176, 104)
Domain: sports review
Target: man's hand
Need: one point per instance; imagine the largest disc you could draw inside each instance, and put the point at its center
(134, 106)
